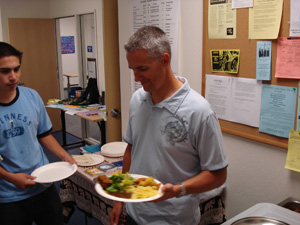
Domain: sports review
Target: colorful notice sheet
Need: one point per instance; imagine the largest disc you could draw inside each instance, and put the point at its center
(293, 155)
(278, 106)
(67, 45)
(264, 19)
(263, 60)
(288, 57)
(225, 60)
(221, 20)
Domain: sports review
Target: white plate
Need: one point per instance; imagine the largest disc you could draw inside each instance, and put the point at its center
(101, 192)
(54, 172)
(114, 149)
(88, 159)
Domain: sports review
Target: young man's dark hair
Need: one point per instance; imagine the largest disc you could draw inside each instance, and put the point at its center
(8, 50)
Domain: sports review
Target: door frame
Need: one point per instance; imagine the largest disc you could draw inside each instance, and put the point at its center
(78, 48)
(81, 57)
(112, 68)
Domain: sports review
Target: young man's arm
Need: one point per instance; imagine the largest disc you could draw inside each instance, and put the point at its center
(20, 180)
(53, 146)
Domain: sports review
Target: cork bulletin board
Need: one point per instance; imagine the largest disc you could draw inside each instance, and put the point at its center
(247, 66)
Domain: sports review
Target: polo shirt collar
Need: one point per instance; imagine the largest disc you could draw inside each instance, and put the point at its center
(172, 103)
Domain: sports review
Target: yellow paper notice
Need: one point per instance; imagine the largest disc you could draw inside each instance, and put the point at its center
(293, 155)
(264, 19)
(225, 60)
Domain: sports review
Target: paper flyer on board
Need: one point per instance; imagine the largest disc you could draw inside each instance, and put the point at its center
(287, 60)
(295, 18)
(236, 4)
(264, 19)
(293, 154)
(221, 20)
(278, 108)
(263, 60)
(225, 60)
(234, 99)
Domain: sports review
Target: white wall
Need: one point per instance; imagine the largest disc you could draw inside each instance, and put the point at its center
(256, 174)
(69, 61)
(256, 171)
(89, 36)
(22, 9)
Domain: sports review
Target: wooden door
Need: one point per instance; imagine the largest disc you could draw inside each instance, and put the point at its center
(36, 39)
(112, 68)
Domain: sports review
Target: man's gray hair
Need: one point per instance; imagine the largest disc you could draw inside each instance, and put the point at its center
(152, 39)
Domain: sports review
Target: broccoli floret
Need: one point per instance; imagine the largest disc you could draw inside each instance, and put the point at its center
(120, 181)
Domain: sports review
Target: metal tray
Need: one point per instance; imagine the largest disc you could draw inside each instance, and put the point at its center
(258, 221)
(291, 203)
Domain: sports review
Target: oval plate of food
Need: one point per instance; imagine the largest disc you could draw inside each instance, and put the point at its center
(139, 188)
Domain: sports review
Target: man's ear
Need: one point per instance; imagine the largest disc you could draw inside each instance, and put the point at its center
(166, 59)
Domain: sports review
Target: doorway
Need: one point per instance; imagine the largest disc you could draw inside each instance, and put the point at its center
(77, 62)
(68, 55)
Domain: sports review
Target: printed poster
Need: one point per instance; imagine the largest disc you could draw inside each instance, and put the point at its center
(295, 18)
(264, 19)
(225, 60)
(237, 4)
(278, 110)
(67, 44)
(263, 60)
(293, 154)
(288, 56)
(221, 20)
(234, 99)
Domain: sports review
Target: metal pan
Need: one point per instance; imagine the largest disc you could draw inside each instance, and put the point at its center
(258, 221)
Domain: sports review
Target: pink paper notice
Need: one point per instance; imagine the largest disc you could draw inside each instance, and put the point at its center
(288, 58)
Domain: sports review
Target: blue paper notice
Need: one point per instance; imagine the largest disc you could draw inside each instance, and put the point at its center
(278, 108)
(263, 60)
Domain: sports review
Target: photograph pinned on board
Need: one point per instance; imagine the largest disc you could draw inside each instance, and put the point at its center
(225, 60)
